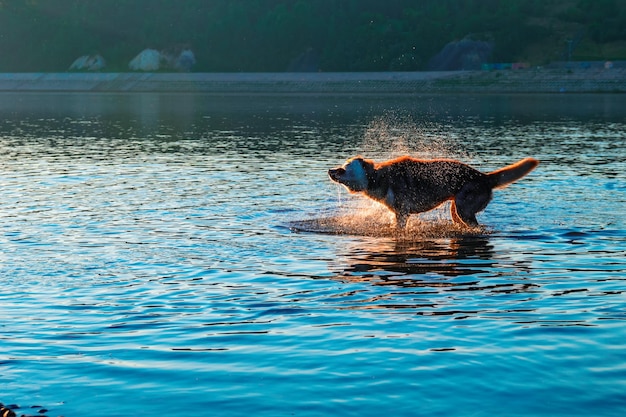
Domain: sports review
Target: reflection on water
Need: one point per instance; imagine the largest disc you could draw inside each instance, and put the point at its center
(191, 251)
(406, 263)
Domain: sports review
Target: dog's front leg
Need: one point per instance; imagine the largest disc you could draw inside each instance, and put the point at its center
(401, 220)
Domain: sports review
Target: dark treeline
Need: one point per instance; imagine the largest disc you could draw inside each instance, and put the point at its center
(268, 35)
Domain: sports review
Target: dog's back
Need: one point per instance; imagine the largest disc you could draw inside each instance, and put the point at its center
(430, 178)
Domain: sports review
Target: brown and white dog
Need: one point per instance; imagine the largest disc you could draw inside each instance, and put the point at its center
(407, 185)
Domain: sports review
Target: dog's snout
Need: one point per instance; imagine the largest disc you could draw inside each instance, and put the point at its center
(335, 173)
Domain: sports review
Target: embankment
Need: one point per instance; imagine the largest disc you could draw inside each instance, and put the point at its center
(460, 82)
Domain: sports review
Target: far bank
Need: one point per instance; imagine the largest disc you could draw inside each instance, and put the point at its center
(536, 80)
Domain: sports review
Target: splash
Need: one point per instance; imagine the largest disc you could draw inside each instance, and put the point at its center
(368, 218)
(394, 135)
(385, 138)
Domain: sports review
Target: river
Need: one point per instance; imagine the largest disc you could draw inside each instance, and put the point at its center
(187, 253)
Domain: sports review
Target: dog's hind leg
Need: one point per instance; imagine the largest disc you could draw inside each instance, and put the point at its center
(454, 214)
(472, 199)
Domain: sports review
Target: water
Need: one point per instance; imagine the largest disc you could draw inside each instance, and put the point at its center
(150, 261)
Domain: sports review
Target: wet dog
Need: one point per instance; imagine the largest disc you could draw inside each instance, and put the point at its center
(407, 185)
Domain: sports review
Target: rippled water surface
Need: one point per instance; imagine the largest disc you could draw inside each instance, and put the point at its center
(156, 258)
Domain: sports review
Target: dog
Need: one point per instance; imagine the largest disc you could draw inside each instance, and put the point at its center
(408, 185)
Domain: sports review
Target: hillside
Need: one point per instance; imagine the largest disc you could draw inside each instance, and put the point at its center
(320, 35)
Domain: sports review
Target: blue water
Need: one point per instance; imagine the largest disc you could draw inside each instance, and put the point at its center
(150, 262)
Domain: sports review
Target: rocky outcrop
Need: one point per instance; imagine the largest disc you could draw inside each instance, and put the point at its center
(308, 61)
(88, 63)
(178, 59)
(463, 55)
(146, 60)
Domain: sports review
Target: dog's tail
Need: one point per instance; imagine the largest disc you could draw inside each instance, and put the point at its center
(504, 176)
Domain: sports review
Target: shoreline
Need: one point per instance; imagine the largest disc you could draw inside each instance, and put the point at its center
(525, 81)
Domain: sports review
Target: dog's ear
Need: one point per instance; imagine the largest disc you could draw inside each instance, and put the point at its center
(361, 160)
(357, 158)
(368, 166)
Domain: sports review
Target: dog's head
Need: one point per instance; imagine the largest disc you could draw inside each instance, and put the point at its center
(355, 174)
